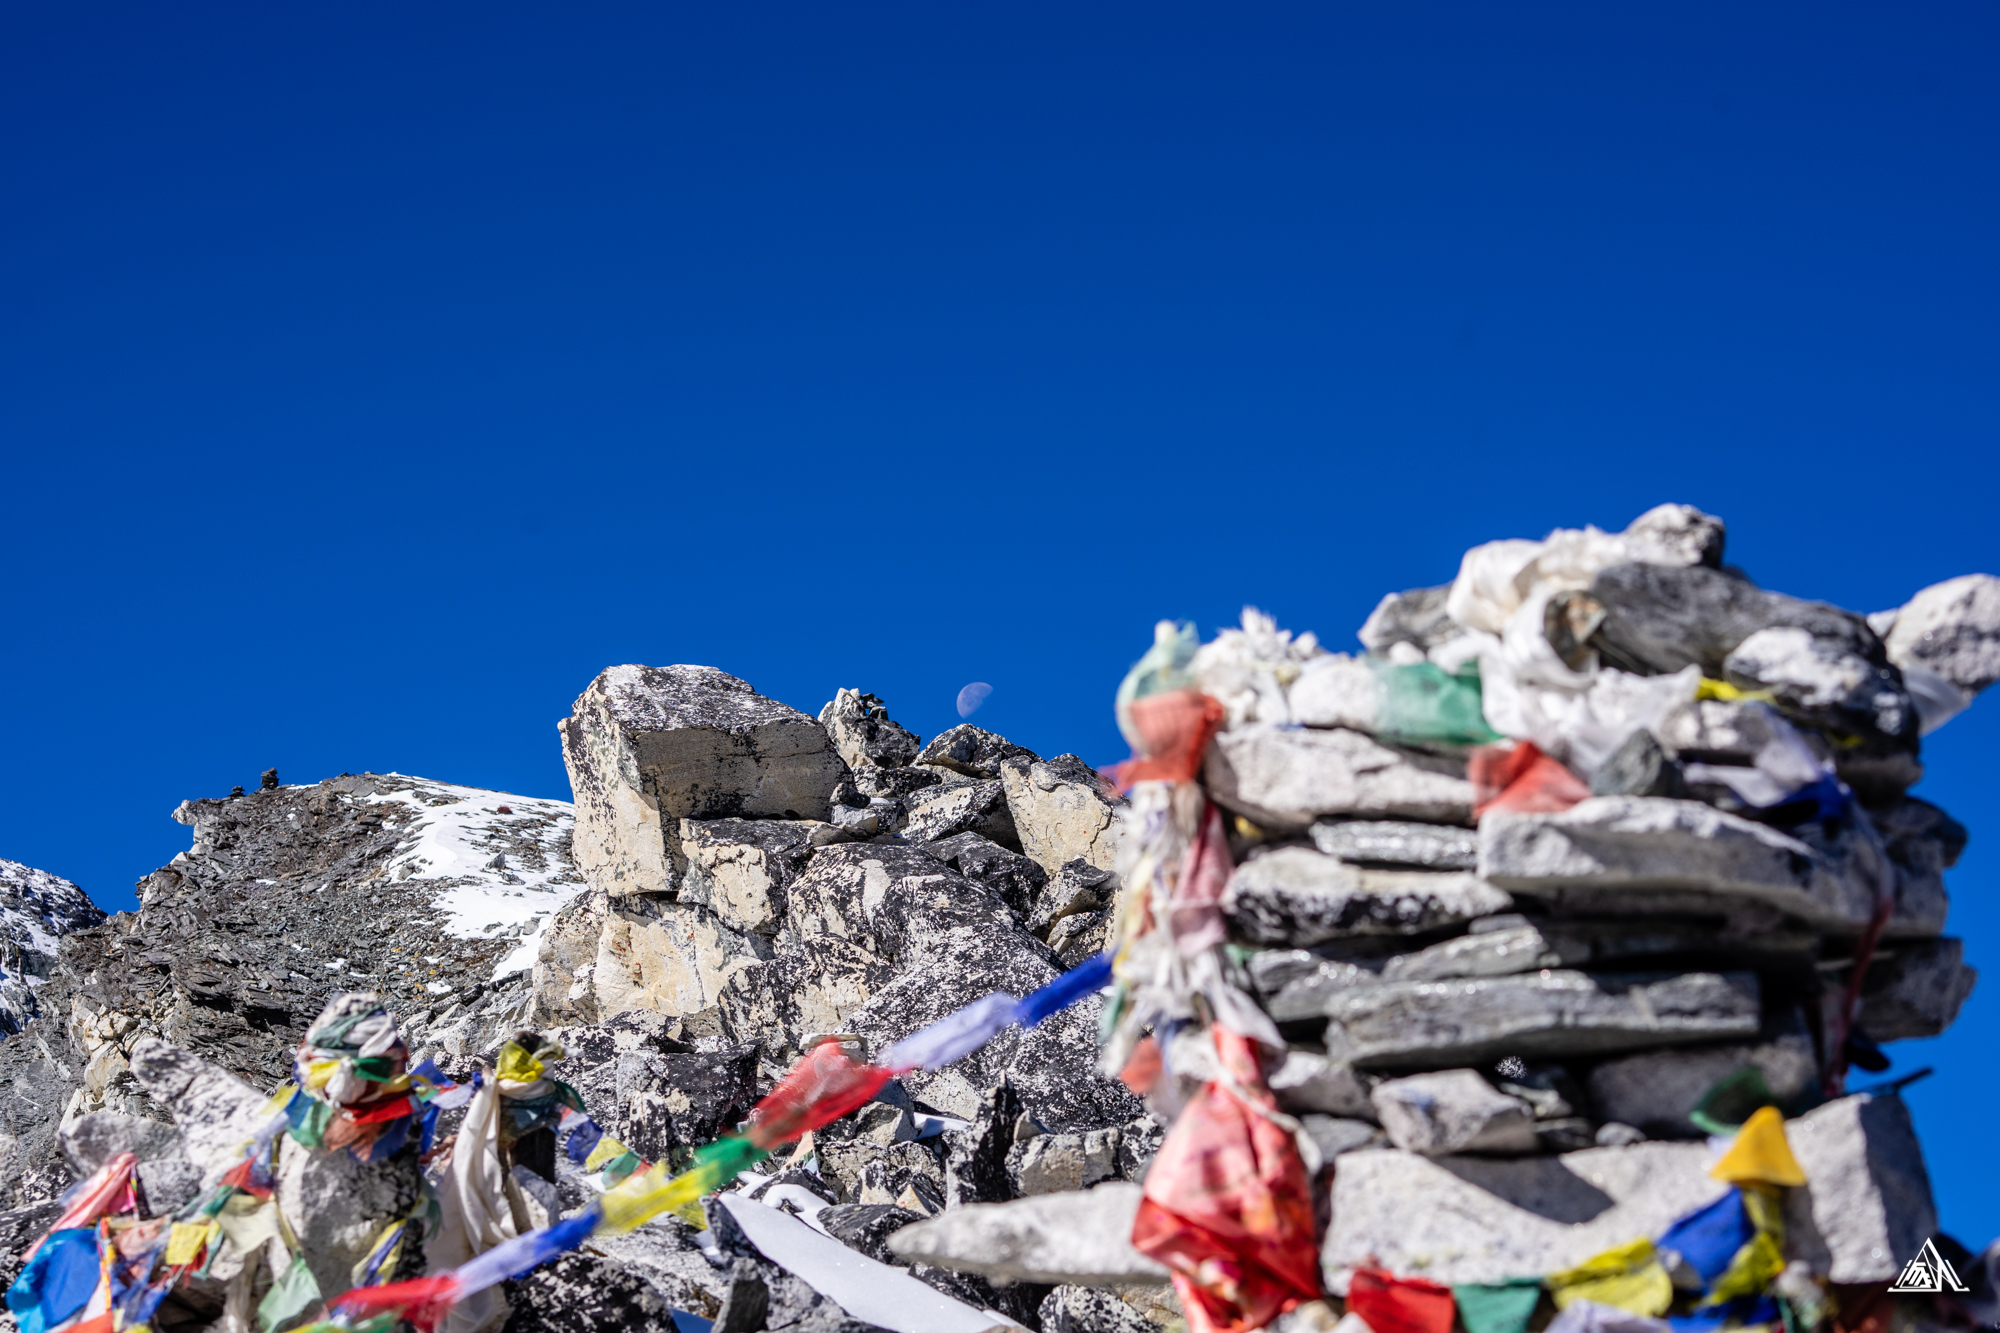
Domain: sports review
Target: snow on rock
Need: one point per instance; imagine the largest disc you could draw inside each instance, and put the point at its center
(36, 910)
(501, 863)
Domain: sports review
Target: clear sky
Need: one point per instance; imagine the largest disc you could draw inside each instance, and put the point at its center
(370, 379)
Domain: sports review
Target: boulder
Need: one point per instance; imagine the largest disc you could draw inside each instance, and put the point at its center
(942, 812)
(1863, 1212)
(803, 989)
(1017, 879)
(1545, 1014)
(1916, 990)
(1452, 1111)
(1334, 1135)
(1297, 896)
(582, 1293)
(1866, 1206)
(215, 1112)
(669, 957)
(1061, 812)
(669, 1101)
(89, 1141)
(973, 751)
(1080, 1238)
(1077, 887)
(647, 747)
(1624, 854)
(1335, 690)
(338, 1207)
(1054, 1163)
(1825, 684)
(740, 869)
(1951, 629)
(1398, 844)
(1656, 1090)
(1286, 778)
(863, 734)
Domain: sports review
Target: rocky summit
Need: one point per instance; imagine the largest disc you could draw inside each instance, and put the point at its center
(1514, 963)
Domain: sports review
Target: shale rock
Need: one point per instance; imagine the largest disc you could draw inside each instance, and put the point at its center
(1061, 812)
(90, 1141)
(214, 1110)
(647, 747)
(973, 751)
(1285, 778)
(863, 734)
(1644, 854)
(1077, 1238)
(1661, 618)
(1546, 1014)
(1297, 896)
(1916, 991)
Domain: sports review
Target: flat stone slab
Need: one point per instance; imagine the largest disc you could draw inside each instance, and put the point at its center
(1865, 1209)
(1283, 778)
(1082, 1238)
(1298, 896)
(1651, 854)
(1552, 1013)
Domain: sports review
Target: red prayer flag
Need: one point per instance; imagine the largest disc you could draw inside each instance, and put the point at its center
(1389, 1304)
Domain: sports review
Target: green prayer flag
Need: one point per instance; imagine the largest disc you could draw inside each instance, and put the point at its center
(1499, 1307)
(290, 1296)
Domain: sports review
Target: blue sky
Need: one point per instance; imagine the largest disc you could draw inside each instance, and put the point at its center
(370, 379)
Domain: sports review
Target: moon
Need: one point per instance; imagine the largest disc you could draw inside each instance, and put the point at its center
(972, 696)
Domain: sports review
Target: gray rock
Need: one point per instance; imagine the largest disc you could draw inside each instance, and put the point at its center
(1053, 1163)
(1866, 1206)
(1655, 1091)
(1296, 896)
(1916, 991)
(1335, 690)
(647, 747)
(1639, 767)
(1016, 878)
(1306, 1082)
(1661, 618)
(740, 869)
(582, 1293)
(1335, 1135)
(215, 1111)
(1545, 1014)
(1639, 854)
(895, 784)
(1953, 629)
(1078, 1238)
(675, 1102)
(861, 730)
(1398, 844)
(1062, 812)
(90, 1141)
(973, 807)
(338, 1206)
(866, 1227)
(1452, 1111)
(803, 989)
(1080, 936)
(1306, 994)
(1680, 534)
(973, 751)
(167, 1184)
(1285, 778)
(1415, 617)
(1921, 838)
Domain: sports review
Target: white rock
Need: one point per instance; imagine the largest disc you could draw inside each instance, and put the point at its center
(647, 747)
(1082, 1238)
(1953, 629)
(1452, 1111)
(1285, 778)
(1335, 691)
(1060, 812)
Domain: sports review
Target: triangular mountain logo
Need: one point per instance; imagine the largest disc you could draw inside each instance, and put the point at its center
(1929, 1272)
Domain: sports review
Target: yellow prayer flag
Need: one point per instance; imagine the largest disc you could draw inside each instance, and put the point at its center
(517, 1065)
(1753, 1269)
(187, 1240)
(1630, 1277)
(1760, 1155)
